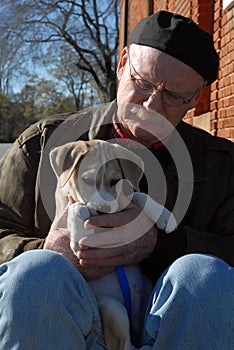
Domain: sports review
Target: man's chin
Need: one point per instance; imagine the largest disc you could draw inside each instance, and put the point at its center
(148, 139)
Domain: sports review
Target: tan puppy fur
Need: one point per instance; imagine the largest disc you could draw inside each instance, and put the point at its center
(101, 177)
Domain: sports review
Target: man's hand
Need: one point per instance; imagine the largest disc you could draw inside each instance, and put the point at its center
(96, 262)
(58, 240)
(130, 253)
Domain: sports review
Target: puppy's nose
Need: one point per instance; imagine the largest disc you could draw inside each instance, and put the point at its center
(95, 208)
(104, 208)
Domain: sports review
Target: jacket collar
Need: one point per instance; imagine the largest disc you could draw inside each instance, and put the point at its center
(101, 121)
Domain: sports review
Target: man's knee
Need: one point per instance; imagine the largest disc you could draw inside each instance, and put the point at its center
(44, 278)
(201, 275)
(202, 265)
(38, 269)
(39, 283)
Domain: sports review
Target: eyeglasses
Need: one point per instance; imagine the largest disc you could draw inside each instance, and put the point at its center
(146, 88)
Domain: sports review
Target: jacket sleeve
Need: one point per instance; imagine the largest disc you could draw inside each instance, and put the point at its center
(208, 224)
(18, 174)
(213, 233)
(27, 203)
(218, 236)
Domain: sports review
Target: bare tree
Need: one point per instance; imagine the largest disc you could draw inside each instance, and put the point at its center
(11, 60)
(88, 27)
(77, 82)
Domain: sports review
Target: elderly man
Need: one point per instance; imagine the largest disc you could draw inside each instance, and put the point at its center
(45, 302)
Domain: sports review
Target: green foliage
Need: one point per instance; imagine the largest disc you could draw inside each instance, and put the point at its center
(11, 119)
(32, 103)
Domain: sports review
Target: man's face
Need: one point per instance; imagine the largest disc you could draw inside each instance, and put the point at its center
(154, 88)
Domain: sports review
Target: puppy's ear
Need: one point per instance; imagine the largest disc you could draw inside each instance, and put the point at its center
(132, 171)
(132, 165)
(64, 159)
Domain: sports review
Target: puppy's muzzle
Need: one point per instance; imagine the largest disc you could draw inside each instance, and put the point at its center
(99, 209)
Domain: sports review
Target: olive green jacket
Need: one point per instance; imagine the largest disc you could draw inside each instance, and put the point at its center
(27, 186)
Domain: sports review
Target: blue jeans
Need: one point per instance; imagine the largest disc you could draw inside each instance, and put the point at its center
(46, 304)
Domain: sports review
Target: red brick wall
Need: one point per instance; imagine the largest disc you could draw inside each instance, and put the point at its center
(215, 110)
(224, 34)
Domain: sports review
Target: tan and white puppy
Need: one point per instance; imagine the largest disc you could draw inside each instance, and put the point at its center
(101, 177)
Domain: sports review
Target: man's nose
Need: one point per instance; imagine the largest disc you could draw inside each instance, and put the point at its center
(154, 102)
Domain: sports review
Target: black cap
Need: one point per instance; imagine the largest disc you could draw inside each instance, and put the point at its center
(180, 37)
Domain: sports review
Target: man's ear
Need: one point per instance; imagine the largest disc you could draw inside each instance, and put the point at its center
(198, 95)
(122, 62)
(64, 159)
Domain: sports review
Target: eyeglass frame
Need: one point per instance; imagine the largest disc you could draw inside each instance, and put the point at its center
(154, 88)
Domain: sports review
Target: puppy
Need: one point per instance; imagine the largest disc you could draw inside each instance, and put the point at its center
(101, 177)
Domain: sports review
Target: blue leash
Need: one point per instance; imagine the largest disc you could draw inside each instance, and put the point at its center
(123, 281)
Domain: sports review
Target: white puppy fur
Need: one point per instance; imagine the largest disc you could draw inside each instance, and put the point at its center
(101, 176)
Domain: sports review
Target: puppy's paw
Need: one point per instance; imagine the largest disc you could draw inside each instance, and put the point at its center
(78, 210)
(74, 246)
(164, 219)
(167, 221)
(78, 213)
(115, 323)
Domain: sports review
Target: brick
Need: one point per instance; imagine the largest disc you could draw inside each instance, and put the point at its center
(219, 100)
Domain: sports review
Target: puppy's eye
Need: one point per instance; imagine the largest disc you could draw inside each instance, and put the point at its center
(114, 182)
(88, 181)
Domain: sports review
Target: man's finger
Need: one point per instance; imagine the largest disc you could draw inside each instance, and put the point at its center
(114, 219)
(119, 236)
